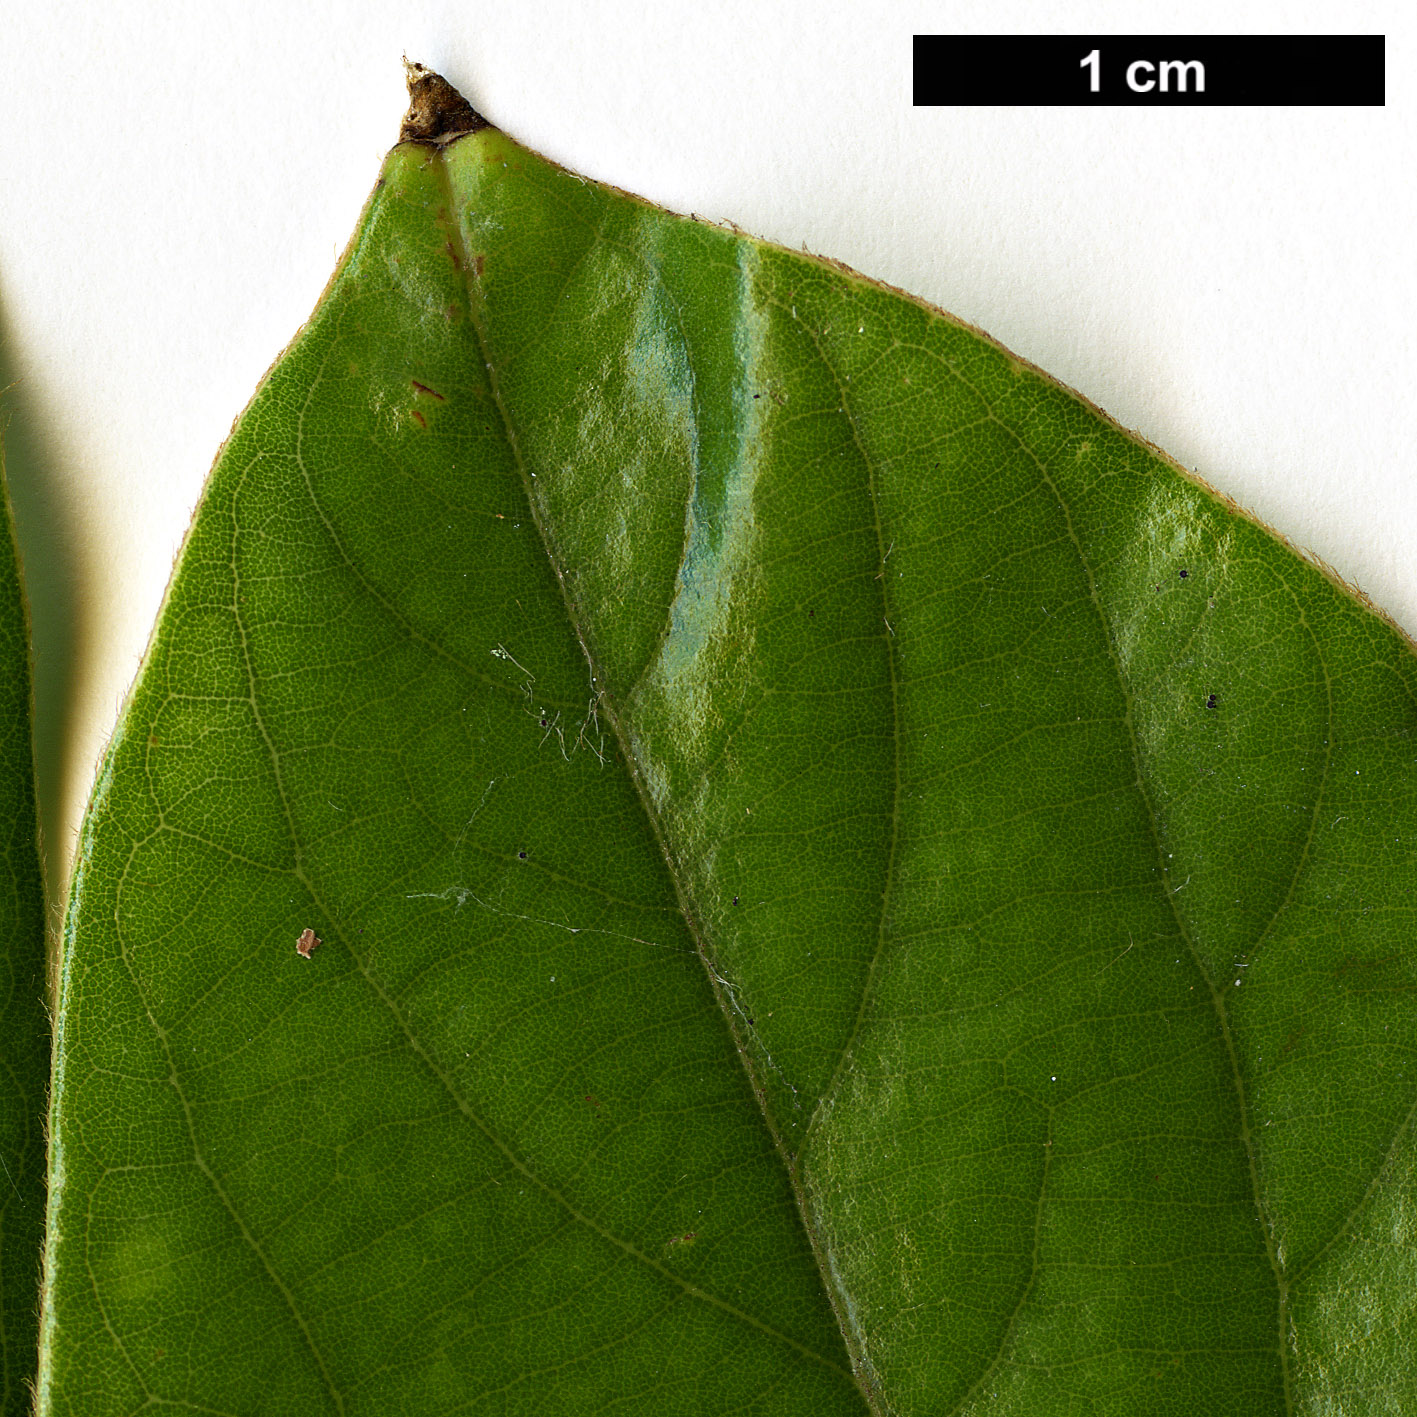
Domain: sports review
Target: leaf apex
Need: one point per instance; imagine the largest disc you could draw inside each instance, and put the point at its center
(437, 112)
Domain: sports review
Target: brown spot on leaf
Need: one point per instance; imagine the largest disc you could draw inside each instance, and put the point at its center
(308, 943)
(422, 422)
(424, 389)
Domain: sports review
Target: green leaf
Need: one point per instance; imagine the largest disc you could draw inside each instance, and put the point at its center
(845, 881)
(24, 1054)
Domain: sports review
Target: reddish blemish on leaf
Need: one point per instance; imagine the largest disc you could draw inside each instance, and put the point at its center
(424, 389)
(308, 943)
(422, 422)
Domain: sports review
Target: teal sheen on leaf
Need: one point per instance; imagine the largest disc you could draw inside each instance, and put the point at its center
(24, 1053)
(844, 881)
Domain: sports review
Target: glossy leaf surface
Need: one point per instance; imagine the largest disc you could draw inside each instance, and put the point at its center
(24, 1053)
(636, 652)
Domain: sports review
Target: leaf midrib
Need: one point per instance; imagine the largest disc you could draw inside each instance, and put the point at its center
(690, 917)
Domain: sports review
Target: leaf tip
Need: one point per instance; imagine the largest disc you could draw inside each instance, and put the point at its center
(437, 112)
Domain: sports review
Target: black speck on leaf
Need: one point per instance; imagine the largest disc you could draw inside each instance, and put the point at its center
(1184, 574)
(1210, 701)
(521, 855)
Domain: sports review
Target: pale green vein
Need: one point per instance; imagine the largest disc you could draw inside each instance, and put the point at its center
(537, 514)
(1247, 1139)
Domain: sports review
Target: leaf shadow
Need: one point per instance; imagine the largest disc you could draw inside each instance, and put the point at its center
(49, 566)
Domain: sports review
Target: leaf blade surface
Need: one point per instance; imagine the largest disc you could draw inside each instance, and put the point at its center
(985, 751)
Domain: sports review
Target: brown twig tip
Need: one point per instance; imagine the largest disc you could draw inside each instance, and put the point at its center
(437, 112)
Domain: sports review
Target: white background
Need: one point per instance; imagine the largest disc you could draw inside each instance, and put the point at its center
(176, 181)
